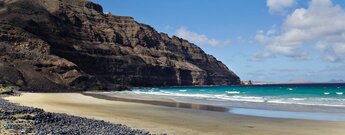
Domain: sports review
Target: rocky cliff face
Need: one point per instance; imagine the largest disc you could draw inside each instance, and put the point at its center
(72, 44)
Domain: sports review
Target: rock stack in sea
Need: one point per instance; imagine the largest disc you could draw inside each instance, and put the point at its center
(56, 45)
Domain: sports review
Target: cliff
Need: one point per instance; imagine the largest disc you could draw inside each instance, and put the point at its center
(72, 45)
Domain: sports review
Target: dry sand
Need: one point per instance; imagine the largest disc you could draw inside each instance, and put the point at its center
(175, 121)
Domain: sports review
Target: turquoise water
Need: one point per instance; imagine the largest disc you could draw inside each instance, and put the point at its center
(302, 101)
(306, 94)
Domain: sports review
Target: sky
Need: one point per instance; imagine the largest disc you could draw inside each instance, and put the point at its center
(260, 40)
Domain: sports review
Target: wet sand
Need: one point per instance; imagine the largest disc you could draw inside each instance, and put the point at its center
(172, 120)
(145, 99)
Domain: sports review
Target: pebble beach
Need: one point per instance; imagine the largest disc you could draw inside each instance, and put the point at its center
(15, 119)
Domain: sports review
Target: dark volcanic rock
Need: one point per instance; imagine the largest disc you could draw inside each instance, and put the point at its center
(28, 120)
(71, 44)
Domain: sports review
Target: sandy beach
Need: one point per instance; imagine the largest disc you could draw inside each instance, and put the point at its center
(172, 120)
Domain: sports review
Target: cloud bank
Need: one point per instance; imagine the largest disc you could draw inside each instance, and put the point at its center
(279, 6)
(321, 24)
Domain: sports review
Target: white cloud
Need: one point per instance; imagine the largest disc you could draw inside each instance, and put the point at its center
(332, 53)
(261, 56)
(321, 23)
(199, 38)
(279, 6)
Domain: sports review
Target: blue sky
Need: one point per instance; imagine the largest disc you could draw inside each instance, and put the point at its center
(260, 40)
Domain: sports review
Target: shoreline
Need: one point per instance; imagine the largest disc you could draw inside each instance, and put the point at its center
(160, 102)
(161, 119)
(269, 110)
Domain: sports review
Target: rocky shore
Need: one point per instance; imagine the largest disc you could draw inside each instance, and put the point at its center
(16, 119)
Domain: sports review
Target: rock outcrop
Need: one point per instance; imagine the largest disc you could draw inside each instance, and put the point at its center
(73, 45)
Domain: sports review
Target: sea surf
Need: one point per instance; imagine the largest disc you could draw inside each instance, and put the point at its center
(319, 99)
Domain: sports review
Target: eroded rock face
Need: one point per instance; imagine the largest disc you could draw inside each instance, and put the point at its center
(72, 44)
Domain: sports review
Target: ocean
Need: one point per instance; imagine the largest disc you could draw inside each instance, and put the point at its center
(308, 98)
(304, 94)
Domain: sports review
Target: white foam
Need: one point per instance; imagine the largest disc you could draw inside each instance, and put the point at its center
(183, 90)
(312, 101)
(279, 102)
(298, 99)
(222, 97)
(233, 92)
(326, 93)
(289, 88)
(247, 98)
